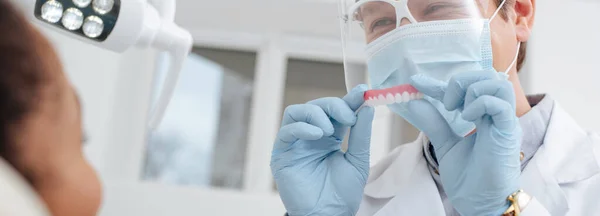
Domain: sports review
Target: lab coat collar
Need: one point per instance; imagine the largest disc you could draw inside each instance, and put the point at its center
(567, 156)
(569, 149)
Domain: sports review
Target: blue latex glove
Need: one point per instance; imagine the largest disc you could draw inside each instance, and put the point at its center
(480, 171)
(313, 176)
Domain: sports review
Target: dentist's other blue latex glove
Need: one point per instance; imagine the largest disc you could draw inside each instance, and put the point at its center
(480, 171)
(313, 175)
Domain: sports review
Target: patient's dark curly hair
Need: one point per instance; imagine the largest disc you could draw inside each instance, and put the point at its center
(23, 73)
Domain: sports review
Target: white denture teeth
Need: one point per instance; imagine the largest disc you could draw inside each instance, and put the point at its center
(369, 101)
(398, 98)
(375, 102)
(405, 97)
(392, 95)
(392, 98)
(381, 100)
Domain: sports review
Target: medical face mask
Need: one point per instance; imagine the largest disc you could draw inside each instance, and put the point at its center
(438, 49)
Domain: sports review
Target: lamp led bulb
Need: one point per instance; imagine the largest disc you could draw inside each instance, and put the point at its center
(93, 26)
(72, 19)
(82, 3)
(103, 6)
(52, 11)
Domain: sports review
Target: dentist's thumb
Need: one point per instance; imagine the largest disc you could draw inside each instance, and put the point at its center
(424, 116)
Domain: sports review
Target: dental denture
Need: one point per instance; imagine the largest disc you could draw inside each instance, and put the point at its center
(394, 95)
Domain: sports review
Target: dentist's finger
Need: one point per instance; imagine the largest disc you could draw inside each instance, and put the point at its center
(359, 142)
(501, 112)
(299, 131)
(337, 109)
(458, 85)
(356, 97)
(291, 133)
(425, 117)
(310, 114)
(502, 89)
(429, 86)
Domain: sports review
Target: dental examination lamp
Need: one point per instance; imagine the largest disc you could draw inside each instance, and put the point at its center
(118, 25)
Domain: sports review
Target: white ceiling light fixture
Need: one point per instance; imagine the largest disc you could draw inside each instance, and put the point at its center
(118, 25)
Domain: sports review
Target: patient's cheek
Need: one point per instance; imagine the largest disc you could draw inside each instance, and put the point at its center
(74, 185)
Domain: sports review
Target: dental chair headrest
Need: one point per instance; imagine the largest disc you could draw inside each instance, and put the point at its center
(17, 198)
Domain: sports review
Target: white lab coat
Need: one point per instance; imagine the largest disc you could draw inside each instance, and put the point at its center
(563, 176)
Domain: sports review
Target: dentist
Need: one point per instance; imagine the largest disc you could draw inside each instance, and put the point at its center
(485, 149)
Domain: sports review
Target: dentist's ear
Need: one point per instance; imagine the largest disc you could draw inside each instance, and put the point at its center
(525, 15)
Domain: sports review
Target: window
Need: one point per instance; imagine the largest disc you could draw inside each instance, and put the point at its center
(309, 80)
(202, 140)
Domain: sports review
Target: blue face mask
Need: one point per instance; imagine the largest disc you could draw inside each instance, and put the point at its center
(438, 49)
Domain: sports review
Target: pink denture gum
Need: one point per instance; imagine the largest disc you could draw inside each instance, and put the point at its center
(397, 94)
(394, 95)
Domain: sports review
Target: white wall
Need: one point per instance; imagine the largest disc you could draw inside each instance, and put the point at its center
(564, 57)
(311, 18)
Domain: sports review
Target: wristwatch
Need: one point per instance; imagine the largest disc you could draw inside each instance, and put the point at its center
(518, 202)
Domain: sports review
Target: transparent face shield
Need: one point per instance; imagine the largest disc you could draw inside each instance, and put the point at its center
(365, 22)
(403, 38)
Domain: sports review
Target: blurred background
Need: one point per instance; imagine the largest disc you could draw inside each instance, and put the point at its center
(251, 59)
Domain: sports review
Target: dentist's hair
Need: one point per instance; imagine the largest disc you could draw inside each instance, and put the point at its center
(23, 76)
(504, 14)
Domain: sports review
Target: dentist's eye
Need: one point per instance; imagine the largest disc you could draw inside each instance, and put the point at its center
(446, 11)
(434, 8)
(383, 24)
